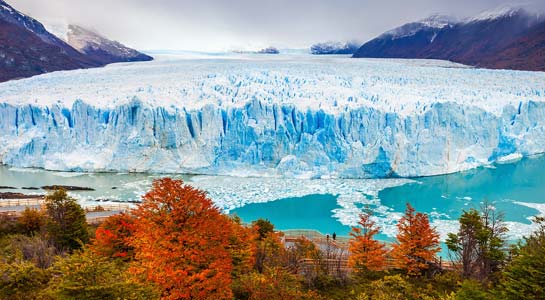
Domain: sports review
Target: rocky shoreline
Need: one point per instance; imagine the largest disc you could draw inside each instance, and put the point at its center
(15, 196)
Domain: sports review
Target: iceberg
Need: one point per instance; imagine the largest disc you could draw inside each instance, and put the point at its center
(281, 116)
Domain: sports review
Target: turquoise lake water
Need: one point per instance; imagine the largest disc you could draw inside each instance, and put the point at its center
(517, 189)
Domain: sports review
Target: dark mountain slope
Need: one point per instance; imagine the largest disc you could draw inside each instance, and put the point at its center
(505, 38)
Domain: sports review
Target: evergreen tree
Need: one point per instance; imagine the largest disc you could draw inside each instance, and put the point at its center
(479, 244)
(67, 225)
(524, 276)
(263, 227)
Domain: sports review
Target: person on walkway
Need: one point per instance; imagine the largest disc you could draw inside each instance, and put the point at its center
(334, 236)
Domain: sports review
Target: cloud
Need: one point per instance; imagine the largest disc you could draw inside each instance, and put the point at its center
(237, 24)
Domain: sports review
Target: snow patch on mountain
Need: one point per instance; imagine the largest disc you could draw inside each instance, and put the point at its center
(502, 11)
(434, 22)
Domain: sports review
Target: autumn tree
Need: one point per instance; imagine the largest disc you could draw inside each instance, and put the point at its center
(31, 221)
(418, 243)
(478, 247)
(181, 243)
(112, 237)
(366, 252)
(67, 224)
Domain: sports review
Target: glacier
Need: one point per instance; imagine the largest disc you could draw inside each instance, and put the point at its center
(282, 116)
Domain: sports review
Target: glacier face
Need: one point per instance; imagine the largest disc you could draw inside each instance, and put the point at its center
(283, 116)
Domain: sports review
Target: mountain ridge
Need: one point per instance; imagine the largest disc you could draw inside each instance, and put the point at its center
(99, 48)
(27, 48)
(489, 40)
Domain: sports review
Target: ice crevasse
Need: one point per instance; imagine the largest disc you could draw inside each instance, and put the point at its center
(311, 118)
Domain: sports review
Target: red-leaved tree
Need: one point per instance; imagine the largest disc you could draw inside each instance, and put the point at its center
(418, 242)
(112, 237)
(181, 243)
(366, 252)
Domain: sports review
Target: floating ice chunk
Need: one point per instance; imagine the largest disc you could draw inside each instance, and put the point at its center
(510, 158)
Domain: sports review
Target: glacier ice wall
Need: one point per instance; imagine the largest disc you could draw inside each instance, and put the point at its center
(267, 139)
(314, 118)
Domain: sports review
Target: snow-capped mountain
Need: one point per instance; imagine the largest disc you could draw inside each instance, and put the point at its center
(502, 11)
(273, 116)
(95, 46)
(432, 24)
(406, 41)
(27, 48)
(334, 48)
(490, 39)
(10, 15)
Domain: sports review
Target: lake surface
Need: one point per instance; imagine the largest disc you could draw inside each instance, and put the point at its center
(517, 189)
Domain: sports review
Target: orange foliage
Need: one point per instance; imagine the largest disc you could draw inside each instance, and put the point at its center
(366, 252)
(181, 243)
(418, 242)
(112, 237)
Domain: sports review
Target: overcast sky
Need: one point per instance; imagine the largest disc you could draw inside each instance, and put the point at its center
(244, 24)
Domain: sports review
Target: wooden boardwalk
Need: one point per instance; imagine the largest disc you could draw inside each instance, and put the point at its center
(21, 202)
(340, 245)
(341, 242)
(95, 214)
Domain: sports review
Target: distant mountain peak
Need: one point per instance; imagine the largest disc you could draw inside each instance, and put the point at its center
(27, 48)
(91, 43)
(334, 48)
(433, 22)
(11, 15)
(509, 36)
(503, 11)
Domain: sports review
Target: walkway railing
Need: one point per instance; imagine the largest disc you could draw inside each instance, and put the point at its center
(9, 209)
(108, 207)
(21, 202)
(341, 243)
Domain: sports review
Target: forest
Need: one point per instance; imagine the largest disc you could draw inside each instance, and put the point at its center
(177, 245)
